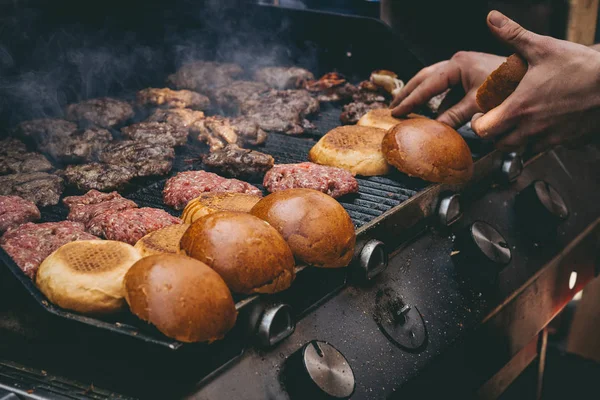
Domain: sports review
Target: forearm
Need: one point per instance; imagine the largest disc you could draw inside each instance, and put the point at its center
(595, 46)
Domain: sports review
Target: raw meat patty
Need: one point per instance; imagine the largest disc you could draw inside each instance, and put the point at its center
(15, 211)
(93, 203)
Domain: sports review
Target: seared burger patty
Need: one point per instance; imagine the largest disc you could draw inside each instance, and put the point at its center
(181, 117)
(98, 176)
(230, 97)
(236, 162)
(218, 132)
(186, 186)
(15, 162)
(79, 146)
(143, 158)
(88, 206)
(283, 77)
(130, 225)
(15, 211)
(156, 133)
(41, 188)
(40, 130)
(201, 76)
(168, 98)
(354, 111)
(105, 112)
(333, 181)
(29, 244)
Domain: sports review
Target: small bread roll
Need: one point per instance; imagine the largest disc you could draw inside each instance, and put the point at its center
(429, 150)
(353, 148)
(165, 240)
(501, 83)
(87, 276)
(248, 253)
(316, 227)
(209, 203)
(184, 298)
(382, 118)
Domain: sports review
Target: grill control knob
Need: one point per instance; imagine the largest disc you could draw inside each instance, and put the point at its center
(318, 371)
(481, 252)
(512, 166)
(540, 209)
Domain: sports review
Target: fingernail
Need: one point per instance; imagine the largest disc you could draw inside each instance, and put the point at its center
(497, 19)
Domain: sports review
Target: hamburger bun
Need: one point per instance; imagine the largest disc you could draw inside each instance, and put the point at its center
(184, 298)
(209, 203)
(429, 150)
(165, 240)
(87, 276)
(501, 83)
(382, 118)
(316, 227)
(354, 148)
(248, 253)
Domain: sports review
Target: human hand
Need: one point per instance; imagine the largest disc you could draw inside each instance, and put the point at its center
(465, 68)
(558, 99)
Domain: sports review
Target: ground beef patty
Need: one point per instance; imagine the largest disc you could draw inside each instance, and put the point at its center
(236, 162)
(105, 112)
(168, 98)
(15, 211)
(30, 244)
(231, 96)
(39, 130)
(182, 117)
(39, 187)
(160, 133)
(186, 186)
(201, 76)
(79, 146)
(354, 111)
(283, 77)
(87, 207)
(144, 159)
(333, 181)
(98, 176)
(130, 225)
(15, 158)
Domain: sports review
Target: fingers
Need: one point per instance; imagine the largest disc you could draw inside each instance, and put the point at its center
(442, 79)
(495, 122)
(415, 82)
(514, 140)
(513, 34)
(461, 112)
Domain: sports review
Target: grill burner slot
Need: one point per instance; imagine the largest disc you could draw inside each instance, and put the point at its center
(276, 324)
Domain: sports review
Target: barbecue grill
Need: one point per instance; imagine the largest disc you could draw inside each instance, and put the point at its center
(415, 304)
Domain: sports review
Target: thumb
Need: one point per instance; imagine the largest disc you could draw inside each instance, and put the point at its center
(460, 113)
(512, 34)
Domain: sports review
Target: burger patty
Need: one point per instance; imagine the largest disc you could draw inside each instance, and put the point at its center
(186, 186)
(98, 176)
(130, 225)
(41, 188)
(105, 112)
(79, 146)
(354, 111)
(30, 244)
(235, 162)
(93, 203)
(231, 96)
(333, 181)
(168, 98)
(156, 133)
(40, 130)
(144, 159)
(15, 211)
(181, 117)
(201, 76)
(15, 158)
(217, 132)
(283, 77)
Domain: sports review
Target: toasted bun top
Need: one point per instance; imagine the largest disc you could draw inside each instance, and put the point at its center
(209, 203)
(501, 83)
(317, 228)
(247, 252)
(430, 150)
(165, 240)
(382, 118)
(182, 297)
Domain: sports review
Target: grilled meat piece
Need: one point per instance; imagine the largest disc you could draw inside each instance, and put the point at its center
(40, 130)
(186, 186)
(41, 188)
(88, 206)
(10, 145)
(105, 112)
(131, 224)
(333, 181)
(231, 96)
(98, 176)
(217, 132)
(15, 158)
(159, 133)
(182, 117)
(15, 211)
(143, 158)
(283, 77)
(281, 110)
(79, 146)
(168, 98)
(368, 93)
(29, 244)
(352, 112)
(201, 76)
(331, 87)
(235, 162)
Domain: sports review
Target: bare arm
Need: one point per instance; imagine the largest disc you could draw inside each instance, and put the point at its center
(595, 47)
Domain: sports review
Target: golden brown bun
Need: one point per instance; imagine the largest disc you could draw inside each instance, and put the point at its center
(501, 83)
(165, 240)
(354, 148)
(316, 227)
(429, 150)
(248, 253)
(87, 276)
(209, 203)
(382, 118)
(184, 298)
